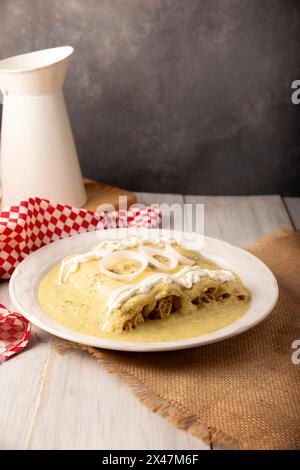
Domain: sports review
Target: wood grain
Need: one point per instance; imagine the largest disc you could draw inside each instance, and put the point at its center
(293, 207)
(49, 401)
(158, 199)
(242, 220)
(100, 193)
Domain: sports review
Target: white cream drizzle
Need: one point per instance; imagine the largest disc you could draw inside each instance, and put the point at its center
(106, 247)
(186, 277)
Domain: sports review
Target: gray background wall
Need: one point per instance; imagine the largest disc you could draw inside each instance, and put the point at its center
(190, 96)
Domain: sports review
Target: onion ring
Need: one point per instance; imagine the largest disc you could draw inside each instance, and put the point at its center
(181, 258)
(148, 251)
(119, 255)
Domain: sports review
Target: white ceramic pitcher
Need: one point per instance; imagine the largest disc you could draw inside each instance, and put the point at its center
(38, 155)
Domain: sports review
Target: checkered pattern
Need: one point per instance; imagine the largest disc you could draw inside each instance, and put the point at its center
(35, 222)
(14, 333)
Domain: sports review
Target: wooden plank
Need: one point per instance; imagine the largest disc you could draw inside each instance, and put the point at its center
(293, 207)
(242, 220)
(21, 384)
(83, 407)
(162, 199)
(100, 193)
(159, 198)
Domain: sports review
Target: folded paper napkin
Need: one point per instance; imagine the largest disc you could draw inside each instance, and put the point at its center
(35, 222)
(243, 391)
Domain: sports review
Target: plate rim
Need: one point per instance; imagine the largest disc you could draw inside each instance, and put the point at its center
(187, 343)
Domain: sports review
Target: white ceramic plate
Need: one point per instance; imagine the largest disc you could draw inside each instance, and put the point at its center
(24, 284)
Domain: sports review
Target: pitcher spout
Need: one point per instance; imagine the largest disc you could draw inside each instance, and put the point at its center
(35, 73)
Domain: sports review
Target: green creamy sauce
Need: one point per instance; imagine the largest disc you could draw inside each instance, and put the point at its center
(82, 309)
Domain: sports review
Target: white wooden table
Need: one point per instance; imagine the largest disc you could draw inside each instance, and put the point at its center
(49, 401)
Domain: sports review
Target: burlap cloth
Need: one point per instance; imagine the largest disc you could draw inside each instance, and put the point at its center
(244, 391)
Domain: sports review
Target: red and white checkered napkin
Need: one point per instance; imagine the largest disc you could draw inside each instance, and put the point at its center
(35, 222)
(14, 333)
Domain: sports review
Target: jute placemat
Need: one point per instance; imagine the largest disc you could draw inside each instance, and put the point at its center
(244, 391)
